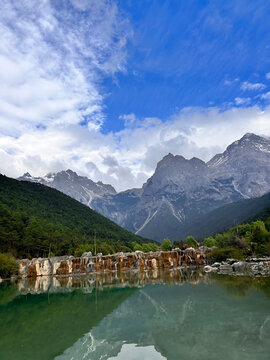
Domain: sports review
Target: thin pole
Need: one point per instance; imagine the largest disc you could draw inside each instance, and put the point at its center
(95, 242)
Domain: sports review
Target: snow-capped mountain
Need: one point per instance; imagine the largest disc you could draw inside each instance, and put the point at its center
(78, 187)
(179, 191)
(247, 161)
(182, 190)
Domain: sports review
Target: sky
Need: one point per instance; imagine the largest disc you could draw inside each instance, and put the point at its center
(107, 88)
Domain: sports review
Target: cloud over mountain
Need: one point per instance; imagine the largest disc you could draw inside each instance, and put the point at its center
(54, 59)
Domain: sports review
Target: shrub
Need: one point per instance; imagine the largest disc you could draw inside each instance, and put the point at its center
(149, 247)
(209, 242)
(259, 233)
(178, 244)
(8, 265)
(221, 254)
(83, 248)
(136, 246)
(166, 245)
(262, 249)
(191, 241)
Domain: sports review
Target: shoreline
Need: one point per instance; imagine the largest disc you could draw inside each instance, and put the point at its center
(252, 266)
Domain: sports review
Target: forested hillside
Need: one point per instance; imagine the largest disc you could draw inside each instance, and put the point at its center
(224, 217)
(36, 220)
(240, 241)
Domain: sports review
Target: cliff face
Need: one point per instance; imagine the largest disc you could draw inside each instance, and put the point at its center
(69, 265)
(70, 183)
(178, 192)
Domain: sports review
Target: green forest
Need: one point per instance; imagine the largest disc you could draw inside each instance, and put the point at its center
(249, 238)
(36, 220)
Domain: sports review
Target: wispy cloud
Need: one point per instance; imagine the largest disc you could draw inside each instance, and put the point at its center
(252, 86)
(52, 60)
(230, 82)
(265, 96)
(53, 57)
(242, 101)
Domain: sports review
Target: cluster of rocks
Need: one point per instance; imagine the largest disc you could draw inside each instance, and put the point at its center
(87, 263)
(252, 266)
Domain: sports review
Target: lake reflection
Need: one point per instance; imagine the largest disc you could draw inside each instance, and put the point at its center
(168, 315)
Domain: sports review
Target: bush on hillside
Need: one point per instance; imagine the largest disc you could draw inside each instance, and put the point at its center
(166, 245)
(191, 241)
(221, 254)
(209, 241)
(8, 265)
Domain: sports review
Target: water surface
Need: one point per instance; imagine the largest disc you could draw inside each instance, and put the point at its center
(173, 315)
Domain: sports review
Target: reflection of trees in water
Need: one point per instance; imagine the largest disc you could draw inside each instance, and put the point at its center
(241, 286)
(124, 308)
(236, 286)
(87, 283)
(8, 292)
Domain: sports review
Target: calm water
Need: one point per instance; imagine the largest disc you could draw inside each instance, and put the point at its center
(176, 315)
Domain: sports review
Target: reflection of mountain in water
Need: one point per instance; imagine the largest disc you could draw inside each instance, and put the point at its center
(43, 326)
(187, 322)
(154, 316)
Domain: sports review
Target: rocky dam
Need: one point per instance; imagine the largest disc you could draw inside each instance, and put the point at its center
(137, 261)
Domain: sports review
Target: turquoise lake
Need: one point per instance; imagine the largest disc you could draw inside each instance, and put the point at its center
(175, 315)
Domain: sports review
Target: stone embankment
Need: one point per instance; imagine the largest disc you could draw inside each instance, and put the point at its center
(87, 263)
(252, 266)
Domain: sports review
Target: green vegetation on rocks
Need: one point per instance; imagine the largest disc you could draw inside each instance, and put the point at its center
(240, 241)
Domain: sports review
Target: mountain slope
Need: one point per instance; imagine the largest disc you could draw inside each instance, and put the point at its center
(224, 218)
(37, 216)
(247, 161)
(180, 190)
(79, 187)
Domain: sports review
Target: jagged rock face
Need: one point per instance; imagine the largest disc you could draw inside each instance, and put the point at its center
(180, 190)
(247, 163)
(78, 187)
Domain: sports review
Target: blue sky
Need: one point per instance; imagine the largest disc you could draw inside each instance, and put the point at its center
(107, 88)
(191, 53)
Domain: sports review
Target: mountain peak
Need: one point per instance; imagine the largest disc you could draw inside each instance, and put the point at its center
(69, 171)
(168, 156)
(252, 141)
(69, 182)
(248, 136)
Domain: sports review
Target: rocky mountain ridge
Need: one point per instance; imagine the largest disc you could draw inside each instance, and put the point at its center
(180, 190)
(69, 182)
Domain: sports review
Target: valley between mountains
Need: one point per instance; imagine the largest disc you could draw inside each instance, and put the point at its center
(183, 197)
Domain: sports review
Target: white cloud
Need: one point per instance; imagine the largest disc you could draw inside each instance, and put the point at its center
(252, 86)
(242, 101)
(127, 158)
(265, 96)
(267, 75)
(129, 119)
(230, 82)
(51, 61)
